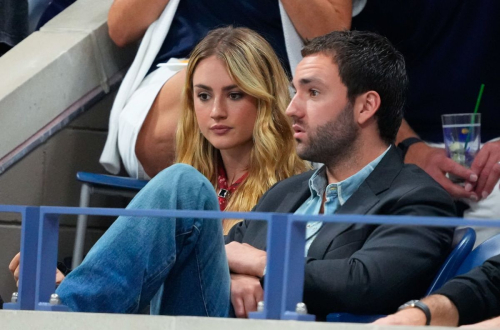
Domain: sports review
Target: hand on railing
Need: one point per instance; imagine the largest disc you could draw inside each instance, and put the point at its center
(246, 292)
(14, 269)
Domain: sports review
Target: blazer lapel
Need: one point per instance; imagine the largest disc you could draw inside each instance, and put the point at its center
(377, 182)
(294, 199)
(364, 199)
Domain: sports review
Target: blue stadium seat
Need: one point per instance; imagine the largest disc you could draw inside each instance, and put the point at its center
(463, 242)
(103, 184)
(483, 252)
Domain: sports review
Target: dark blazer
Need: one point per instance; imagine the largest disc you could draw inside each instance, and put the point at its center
(477, 293)
(366, 268)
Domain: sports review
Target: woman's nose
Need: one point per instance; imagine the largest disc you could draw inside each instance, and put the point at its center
(218, 109)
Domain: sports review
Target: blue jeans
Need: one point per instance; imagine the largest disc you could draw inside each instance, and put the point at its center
(177, 265)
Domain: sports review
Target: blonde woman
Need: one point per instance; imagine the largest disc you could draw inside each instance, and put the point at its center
(236, 138)
(240, 171)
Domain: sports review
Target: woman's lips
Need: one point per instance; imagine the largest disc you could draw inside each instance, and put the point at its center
(220, 129)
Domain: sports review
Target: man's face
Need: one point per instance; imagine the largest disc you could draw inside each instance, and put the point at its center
(322, 115)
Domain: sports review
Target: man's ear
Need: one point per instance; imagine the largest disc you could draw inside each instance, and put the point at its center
(365, 106)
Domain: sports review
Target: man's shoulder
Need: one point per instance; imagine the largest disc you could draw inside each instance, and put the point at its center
(413, 178)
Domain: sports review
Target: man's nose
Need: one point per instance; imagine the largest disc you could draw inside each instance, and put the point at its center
(294, 108)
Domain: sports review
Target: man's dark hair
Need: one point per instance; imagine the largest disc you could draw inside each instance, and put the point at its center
(368, 61)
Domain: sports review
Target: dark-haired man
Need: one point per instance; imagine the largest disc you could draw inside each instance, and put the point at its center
(347, 109)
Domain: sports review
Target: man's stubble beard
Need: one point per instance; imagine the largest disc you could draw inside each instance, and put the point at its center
(333, 142)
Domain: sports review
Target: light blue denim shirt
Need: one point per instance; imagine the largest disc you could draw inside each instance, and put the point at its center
(336, 194)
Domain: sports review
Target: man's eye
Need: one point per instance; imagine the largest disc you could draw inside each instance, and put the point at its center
(235, 96)
(313, 92)
(203, 96)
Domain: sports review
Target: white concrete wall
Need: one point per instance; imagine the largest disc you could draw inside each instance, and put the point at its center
(73, 321)
(52, 69)
(49, 72)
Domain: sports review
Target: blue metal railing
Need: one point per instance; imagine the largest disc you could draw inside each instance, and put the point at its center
(283, 287)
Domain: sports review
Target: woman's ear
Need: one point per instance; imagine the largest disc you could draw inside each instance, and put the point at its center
(365, 106)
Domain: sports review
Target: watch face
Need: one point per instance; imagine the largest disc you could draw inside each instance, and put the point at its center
(410, 303)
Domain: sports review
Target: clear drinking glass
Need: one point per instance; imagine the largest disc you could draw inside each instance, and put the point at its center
(462, 138)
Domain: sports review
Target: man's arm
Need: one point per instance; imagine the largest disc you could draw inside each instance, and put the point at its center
(314, 18)
(476, 294)
(466, 299)
(128, 20)
(480, 178)
(393, 265)
(245, 259)
(247, 265)
(443, 313)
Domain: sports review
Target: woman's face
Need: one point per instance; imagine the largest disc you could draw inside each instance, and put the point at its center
(225, 114)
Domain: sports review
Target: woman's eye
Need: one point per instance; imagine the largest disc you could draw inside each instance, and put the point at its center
(203, 96)
(313, 92)
(235, 96)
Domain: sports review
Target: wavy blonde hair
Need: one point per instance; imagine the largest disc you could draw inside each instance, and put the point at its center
(254, 67)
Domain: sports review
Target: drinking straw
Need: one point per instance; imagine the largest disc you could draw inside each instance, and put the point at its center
(479, 98)
(467, 138)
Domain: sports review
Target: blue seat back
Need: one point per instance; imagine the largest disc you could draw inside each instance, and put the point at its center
(111, 181)
(483, 252)
(463, 242)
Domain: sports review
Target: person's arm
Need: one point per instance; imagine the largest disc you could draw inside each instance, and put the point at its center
(247, 265)
(395, 263)
(476, 294)
(128, 20)
(466, 299)
(238, 231)
(443, 313)
(314, 18)
(435, 162)
(245, 259)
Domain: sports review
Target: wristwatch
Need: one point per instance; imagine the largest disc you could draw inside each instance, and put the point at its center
(420, 305)
(406, 143)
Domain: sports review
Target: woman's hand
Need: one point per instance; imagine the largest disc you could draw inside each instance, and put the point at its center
(14, 269)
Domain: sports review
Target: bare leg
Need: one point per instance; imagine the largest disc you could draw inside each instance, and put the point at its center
(155, 146)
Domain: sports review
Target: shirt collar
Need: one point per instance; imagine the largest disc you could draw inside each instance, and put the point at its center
(344, 189)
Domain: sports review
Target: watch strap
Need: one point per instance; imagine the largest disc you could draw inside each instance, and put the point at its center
(420, 305)
(406, 143)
